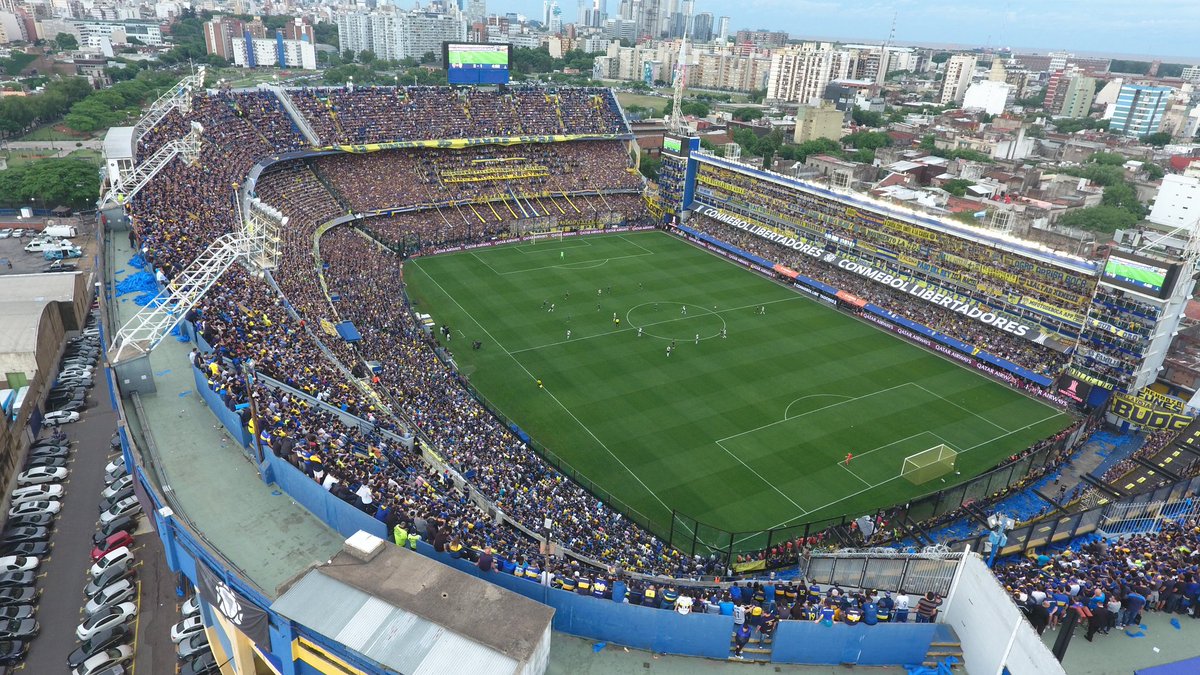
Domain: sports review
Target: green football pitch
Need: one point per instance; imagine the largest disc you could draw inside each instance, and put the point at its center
(746, 424)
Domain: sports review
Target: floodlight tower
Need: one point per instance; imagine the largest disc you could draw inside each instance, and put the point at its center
(677, 124)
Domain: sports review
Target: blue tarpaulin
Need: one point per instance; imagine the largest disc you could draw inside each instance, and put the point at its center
(348, 332)
(1186, 667)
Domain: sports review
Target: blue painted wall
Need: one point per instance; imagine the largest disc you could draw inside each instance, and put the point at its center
(229, 419)
(332, 511)
(661, 631)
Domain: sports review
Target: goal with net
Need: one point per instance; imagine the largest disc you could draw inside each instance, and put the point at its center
(926, 465)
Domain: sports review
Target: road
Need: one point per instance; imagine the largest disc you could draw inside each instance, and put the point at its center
(63, 574)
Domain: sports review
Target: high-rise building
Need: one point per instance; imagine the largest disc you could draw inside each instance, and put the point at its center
(1077, 97)
(959, 70)
(762, 38)
(723, 28)
(648, 15)
(702, 27)
(799, 74)
(1139, 110)
(395, 35)
(300, 30)
(219, 34)
(818, 121)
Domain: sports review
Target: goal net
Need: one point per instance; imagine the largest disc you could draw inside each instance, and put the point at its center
(928, 464)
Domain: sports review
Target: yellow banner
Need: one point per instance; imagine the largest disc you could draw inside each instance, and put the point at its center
(1152, 399)
(327, 328)
(459, 143)
(1052, 310)
(752, 566)
(1130, 408)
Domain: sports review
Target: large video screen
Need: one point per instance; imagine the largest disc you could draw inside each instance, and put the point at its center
(1141, 274)
(675, 145)
(468, 63)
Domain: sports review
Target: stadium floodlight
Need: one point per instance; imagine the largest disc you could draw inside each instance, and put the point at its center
(926, 465)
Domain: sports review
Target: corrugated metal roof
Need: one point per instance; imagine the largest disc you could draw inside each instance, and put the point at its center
(384, 633)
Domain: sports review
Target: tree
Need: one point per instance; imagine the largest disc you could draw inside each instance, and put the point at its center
(747, 114)
(867, 118)
(1157, 139)
(867, 140)
(817, 146)
(928, 143)
(1153, 171)
(957, 186)
(1105, 219)
(1122, 195)
(69, 182)
(366, 56)
(66, 42)
(1108, 159)
(757, 95)
(649, 166)
(941, 57)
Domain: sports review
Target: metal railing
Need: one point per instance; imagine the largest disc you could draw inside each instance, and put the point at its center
(1142, 513)
(888, 569)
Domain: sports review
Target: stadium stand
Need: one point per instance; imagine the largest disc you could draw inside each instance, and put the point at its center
(186, 206)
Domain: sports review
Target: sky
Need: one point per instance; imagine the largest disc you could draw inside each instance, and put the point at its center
(1165, 28)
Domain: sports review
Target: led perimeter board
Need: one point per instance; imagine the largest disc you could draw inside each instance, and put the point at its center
(469, 63)
(1141, 274)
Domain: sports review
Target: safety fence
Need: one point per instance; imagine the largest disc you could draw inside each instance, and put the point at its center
(885, 569)
(1139, 514)
(693, 537)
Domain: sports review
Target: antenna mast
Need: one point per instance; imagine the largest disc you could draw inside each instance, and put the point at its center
(881, 76)
(677, 124)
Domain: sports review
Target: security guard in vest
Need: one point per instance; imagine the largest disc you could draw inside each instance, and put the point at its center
(401, 535)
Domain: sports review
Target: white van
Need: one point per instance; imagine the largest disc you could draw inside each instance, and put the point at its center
(39, 245)
(64, 231)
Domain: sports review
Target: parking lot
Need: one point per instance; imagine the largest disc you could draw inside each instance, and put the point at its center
(63, 574)
(15, 260)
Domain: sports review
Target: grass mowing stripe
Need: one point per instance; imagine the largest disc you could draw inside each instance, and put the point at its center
(617, 396)
(568, 410)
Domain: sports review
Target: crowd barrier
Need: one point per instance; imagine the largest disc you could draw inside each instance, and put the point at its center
(228, 418)
(655, 630)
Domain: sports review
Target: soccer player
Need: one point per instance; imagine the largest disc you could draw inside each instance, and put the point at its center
(683, 310)
(616, 322)
(551, 307)
(762, 309)
(849, 456)
(568, 333)
(669, 348)
(614, 316)
(697, 338)
(639, 331)
(598, 291)
(723, 335)
(539, 383)
(544, 302)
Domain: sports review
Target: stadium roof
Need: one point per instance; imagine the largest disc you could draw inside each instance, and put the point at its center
(21, 305)
(417, 615)
(118, 143)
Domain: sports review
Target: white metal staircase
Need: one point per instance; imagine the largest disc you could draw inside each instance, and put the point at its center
(256, 245)
(128, 183)
(178, 97)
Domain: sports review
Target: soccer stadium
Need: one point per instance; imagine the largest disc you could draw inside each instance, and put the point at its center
(429, 379)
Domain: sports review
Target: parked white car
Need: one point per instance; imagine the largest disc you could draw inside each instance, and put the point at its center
(60, 417)
(115, 557)
(186, 628)
(41, 474)
(36, 508)
(31, 493)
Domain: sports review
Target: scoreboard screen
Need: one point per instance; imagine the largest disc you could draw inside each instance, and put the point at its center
(469, 63)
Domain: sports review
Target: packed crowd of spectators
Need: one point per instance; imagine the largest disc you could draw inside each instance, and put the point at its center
(383, 114)
(1115, 581)
(186, 206)
(1153, 444)
(368, 182)
(1029, 355)
(959, 258)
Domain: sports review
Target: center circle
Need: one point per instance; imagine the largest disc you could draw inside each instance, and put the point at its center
(676, 321)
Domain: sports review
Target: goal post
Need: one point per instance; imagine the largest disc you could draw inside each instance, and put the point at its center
(926, 465)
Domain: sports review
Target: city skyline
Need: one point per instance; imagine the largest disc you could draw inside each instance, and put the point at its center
(1161, 28)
